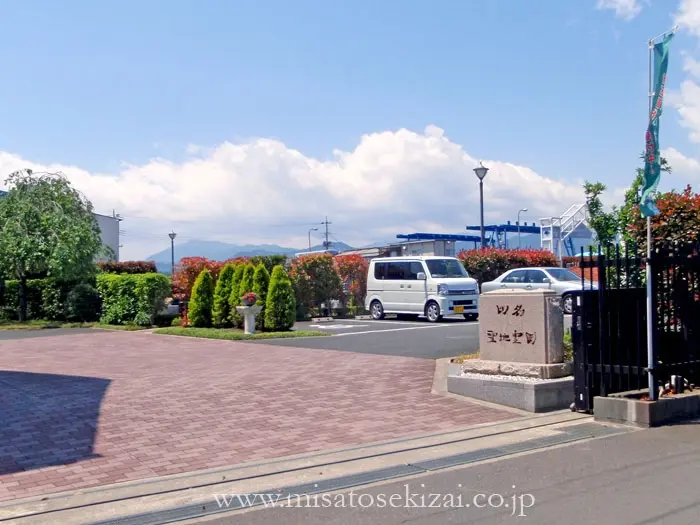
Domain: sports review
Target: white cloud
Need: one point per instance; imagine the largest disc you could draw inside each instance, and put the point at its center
(392, 182)
(685, 168)
(688, 16)
(625, 9)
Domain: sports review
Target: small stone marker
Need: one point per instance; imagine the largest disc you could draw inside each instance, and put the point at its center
(249, 313)
(521, 326)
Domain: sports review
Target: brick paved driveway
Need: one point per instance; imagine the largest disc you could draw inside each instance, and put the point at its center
(91, 409)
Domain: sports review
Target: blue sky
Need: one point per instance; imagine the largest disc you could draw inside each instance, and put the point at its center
(559, 87)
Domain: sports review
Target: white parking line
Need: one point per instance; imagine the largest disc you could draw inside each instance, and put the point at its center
(391, 330)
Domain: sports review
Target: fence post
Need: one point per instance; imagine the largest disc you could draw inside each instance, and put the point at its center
(602, 339)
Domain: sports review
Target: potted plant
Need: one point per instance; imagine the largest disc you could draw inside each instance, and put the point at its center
(249, 299)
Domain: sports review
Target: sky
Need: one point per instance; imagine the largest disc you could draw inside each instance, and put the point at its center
(250, 122)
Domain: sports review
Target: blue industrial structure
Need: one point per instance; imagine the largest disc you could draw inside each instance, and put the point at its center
(499, 232)
(438, 237)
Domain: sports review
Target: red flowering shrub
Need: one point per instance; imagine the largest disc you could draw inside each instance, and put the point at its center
(352, 269)
(187, 271)
(487, 264)
(677, 224)
(128, 267)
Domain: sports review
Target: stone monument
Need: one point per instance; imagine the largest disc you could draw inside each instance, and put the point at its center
(249, 313)
(521, 352)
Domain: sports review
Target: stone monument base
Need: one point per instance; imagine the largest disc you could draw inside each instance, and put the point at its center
(501, 368)
(529, 394)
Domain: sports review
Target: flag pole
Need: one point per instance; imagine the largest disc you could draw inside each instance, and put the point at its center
(650, 322)
(653, 394)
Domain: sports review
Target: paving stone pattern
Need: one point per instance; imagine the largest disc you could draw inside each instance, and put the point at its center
(92, 409)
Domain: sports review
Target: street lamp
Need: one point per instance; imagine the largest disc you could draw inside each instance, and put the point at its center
(481, 172)
(172, 236)
(311, 230)
(520, 211)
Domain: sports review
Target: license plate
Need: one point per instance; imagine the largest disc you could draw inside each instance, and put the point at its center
(459, 309)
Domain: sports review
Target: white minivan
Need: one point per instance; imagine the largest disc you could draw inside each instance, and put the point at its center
(431, 286)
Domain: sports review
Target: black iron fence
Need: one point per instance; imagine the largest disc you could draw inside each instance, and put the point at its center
(609, 325)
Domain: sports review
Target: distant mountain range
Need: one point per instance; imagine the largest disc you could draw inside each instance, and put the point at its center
(220, 251)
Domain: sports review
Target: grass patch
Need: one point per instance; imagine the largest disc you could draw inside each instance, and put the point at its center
(233, 334)
(465, 357)
(568, 347)
(45, 325)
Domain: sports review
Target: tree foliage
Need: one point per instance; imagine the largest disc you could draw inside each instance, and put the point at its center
(604, 223)
(199, 311)
(46, 227)
(261, 283)
(221, 312)
(187, 271)
(677, 225)
(270, 261)
(316, 280)
(352, 270)
(280, 307)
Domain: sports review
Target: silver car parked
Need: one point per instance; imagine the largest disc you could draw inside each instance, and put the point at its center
(560, 280)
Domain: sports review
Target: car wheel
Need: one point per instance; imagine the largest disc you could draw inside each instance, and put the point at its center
(567, 303)
(432, 312)
(376, 310)
(471, 317)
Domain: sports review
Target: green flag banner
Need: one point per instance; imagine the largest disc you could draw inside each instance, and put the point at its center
(652, 157)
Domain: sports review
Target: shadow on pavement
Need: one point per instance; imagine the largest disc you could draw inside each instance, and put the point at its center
(47, 419)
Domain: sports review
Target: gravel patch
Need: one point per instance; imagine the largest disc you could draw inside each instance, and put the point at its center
(515, 379)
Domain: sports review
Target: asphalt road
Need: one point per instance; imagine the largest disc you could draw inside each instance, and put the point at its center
(639, 478)
(391, 337)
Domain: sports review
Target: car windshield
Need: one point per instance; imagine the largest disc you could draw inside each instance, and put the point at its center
(446, 268)
(560, 274)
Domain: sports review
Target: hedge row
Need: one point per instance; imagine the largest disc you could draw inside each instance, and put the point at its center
(132, 298)
(487, 264)
(131, 267)
(216, 304)
(52, 300)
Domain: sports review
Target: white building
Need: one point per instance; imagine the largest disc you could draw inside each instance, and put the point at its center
(109, 233)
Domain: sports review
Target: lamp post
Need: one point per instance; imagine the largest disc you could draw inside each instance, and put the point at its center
(519, 212)
(311, 230)
(481, 172)
(172, 236)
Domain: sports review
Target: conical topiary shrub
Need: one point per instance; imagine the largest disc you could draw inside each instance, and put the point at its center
(221, 312)
(199, 310)
(235, 298)
(261, 282)
(247, 281)
(280, 307)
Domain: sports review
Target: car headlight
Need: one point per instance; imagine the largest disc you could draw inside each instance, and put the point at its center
(443, 289)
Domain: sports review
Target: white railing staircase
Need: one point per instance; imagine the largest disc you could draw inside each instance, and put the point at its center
(556, 230)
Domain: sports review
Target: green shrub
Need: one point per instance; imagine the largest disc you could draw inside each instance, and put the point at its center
(83, 304)
(132, 298)
(177, 321)
(235, 298)
(201, 303)
(247, 281)
(261, 283)
(280, 308)
(46, 299)
(221, 313)
(568, 346)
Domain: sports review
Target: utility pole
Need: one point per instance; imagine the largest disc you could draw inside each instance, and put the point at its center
(326, 243)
